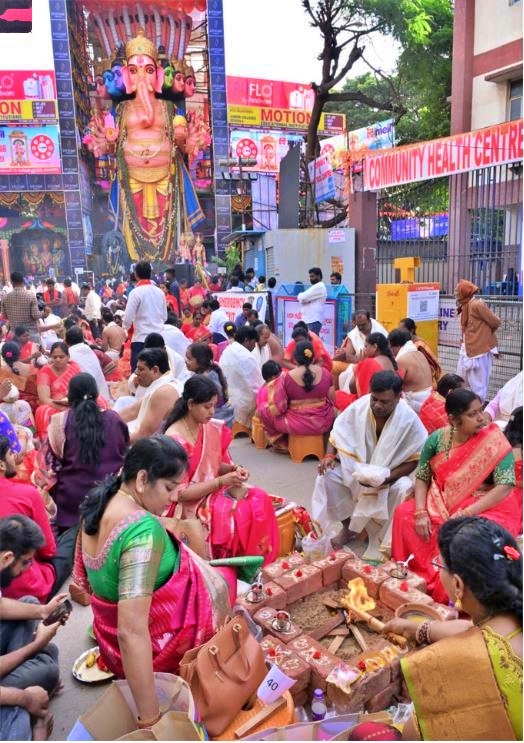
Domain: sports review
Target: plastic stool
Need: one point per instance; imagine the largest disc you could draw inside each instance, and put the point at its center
(239, 429)
(258, 434)
(302, 446)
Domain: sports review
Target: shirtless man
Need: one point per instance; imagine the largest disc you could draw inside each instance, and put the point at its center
(144, 417)
(113, 335)
(414, 367)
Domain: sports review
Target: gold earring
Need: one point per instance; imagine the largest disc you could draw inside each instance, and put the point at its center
(458, 602)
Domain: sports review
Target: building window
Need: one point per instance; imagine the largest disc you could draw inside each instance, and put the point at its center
(515, 100)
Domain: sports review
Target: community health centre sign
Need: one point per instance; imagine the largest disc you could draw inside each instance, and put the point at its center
(494, 145)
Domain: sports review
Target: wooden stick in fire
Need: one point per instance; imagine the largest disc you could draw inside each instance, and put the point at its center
(376, 624)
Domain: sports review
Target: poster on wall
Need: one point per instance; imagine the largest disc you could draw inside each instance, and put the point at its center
(423, 302)
(267, 148)
(31, 149)
(292, 314)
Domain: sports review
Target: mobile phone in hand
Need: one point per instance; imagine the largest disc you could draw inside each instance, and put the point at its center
(66, 607)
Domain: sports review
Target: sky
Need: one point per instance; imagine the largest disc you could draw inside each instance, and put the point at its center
(272, 40)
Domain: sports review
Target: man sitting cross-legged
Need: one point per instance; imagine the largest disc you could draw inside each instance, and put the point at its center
(373, 447)
(29, 669)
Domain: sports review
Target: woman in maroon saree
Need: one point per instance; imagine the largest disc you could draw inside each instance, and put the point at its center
(236, 522)
(466, 469)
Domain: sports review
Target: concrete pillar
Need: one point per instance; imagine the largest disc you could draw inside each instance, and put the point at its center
(362, 213)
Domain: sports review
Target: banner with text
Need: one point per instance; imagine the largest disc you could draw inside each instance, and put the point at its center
(377, 136)
(321, 175)
(292, 314)
(284, 118)
(253, 91)
(449, 331)
(494, 145)
(231, 303)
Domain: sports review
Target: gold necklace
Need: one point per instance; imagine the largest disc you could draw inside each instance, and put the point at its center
(192, 434)
(128, 495)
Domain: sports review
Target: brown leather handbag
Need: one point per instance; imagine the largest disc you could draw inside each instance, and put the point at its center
(224, 673)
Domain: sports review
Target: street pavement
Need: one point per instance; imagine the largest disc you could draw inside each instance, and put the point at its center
(276, 473)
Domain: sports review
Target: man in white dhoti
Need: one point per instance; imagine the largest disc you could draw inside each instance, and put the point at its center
(414, 368)
(373, 448)
(243, 374)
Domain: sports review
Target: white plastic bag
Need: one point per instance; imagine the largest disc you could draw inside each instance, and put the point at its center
(370, 474)
(316, 547)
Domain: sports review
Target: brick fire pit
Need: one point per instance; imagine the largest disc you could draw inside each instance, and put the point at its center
(317, 648)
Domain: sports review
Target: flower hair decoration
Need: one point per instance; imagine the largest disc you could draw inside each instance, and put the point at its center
(511, 553)
(308, 353)
(507, 551)
(8, 354)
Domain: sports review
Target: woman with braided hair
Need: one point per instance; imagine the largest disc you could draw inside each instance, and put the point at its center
(299, 402)
(467, 684)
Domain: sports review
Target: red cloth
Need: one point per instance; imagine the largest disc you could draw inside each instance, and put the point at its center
(291, 409)
(232, 526)
(363, 372)
(433, 414)
(39, 578)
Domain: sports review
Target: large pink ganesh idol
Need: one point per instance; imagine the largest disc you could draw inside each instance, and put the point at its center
(150, 168)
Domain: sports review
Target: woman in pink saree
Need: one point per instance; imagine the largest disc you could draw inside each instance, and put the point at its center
(236, 522)
(152, 598)
(466, 469)
(299, 402)
(52, 383)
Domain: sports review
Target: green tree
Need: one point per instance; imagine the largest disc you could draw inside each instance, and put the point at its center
(423, 28)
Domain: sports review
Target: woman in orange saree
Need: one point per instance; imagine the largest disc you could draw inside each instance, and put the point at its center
(52, 383)
(464, 469)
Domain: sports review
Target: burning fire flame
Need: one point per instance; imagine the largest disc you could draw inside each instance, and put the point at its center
(357, 596)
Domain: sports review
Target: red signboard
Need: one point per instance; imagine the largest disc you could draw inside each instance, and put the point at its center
(494, 145)
(251, 91)
(19, 85)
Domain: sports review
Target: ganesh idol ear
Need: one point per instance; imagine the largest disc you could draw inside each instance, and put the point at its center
(159, 79)
(127, 80)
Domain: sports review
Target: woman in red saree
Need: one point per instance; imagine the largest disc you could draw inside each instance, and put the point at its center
(377, 357)
(52, 383)
(236, 523)
(152, 598)
(466, 469)
(197, 332)
(299, 401)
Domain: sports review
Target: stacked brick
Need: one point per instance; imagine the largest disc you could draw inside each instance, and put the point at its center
(377, 672)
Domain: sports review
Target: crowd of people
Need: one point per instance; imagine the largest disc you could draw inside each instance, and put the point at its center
(117, 405)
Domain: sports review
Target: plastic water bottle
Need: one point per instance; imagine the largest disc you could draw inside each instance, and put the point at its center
(318, 705)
